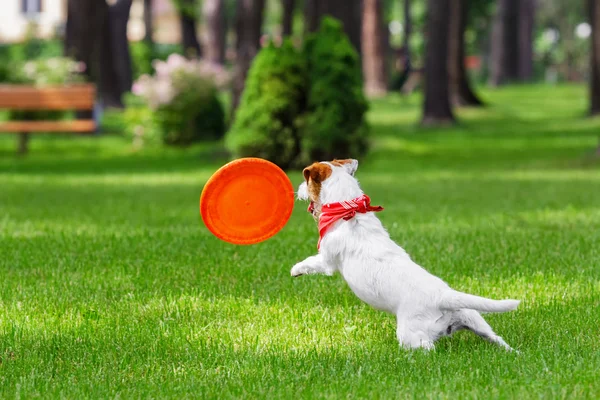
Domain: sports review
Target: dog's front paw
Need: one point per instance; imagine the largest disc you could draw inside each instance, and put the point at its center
(298, 270)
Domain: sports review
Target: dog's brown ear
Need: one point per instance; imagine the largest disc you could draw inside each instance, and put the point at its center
(306, 173)
(317, 172)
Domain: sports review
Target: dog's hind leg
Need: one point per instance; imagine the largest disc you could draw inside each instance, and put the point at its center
(473, 321)
(412, 334)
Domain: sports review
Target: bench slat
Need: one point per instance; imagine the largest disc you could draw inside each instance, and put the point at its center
(47, 126)
(75, 97)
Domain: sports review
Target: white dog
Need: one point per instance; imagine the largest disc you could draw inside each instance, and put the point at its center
(354, 242)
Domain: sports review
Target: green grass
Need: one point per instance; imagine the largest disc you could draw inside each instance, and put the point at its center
(112, 287)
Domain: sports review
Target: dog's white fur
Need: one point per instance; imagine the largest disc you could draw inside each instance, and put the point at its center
(383, 275)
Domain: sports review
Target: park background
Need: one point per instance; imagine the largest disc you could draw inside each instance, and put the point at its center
(475, 125)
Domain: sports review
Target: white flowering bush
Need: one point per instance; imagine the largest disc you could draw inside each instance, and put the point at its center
(182, 95)
(50, 71)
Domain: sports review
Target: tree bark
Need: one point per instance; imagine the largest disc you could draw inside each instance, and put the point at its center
(288, 17)
(96, 34)
(189, 37)
(594, 12)
(118, 81)
(436, 105)
(526, 23)
(216, 30)
(512, 42)
(407, 27)
(311, 16)
(148, 23)
(461, 92)
(374, 48)
(349, 12)
(83, 36)
(248, 27)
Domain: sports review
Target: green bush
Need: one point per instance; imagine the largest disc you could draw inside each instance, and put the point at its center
(336, 106)
(13, 55)
(143, 54)
(267, 122)
(193, 115)
(4, 63)
(181, 98)
(298, 107)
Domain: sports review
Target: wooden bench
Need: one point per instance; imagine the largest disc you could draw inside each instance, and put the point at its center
(80, 97)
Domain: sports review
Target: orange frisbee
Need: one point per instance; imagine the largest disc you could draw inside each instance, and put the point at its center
(247, 201)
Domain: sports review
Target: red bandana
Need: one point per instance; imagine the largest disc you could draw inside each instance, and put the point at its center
(332, 212)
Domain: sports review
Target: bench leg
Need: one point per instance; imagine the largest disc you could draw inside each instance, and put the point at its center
(23, 143)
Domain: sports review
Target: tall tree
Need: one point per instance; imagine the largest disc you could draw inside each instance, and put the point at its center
(505, 43)
(216, 30)
(512, 42)
(594, 12)
(116, 29)
(374, 48)
(248, 28)
(96, 34)
(436, 105)
(461, 92)
(148, 23)
(189, 37)
(349, 12)
(405, 52)
(526, 23)
(288, 17)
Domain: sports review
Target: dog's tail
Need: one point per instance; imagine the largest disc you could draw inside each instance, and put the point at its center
(454, 300)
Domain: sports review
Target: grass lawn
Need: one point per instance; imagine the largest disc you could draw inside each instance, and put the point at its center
(112, 287)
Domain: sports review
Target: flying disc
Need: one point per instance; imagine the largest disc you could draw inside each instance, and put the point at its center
(247, 201)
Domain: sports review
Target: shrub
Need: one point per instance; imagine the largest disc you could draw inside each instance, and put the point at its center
(143, 54)
(336, 106)
(298, 107)
(182, 96)
(267, 121)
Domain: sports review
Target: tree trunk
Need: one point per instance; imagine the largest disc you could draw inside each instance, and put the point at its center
(118, 81)
(311, 16)
(83, 36)
(594, 12)
(349, 12)
(374, 48)
(405, 53)
(148, 23)
(526, 22)
(436, 105)
(248, 27)
(496, 51)
(407, 27)
(216, 30)
(189, 37)
(460, 90)
(505, 43)
(288, 17)
(97, 35)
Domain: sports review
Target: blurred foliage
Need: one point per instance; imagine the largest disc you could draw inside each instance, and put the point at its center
(14, 55)
(335, 123)
(557, 44)
(268, 119)
(38, 62)
(142, 55)
(301, 106)
(181, 99)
